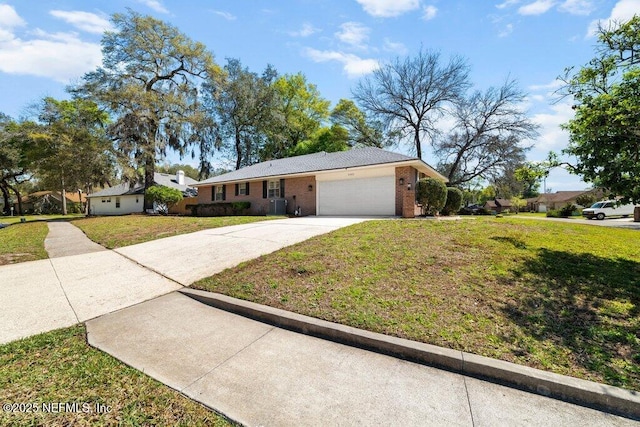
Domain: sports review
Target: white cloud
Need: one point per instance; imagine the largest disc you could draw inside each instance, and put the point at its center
(552, 137)
(354, 34)
(507, 3)
(306, 31)
(155, 5)
(506, 31)
(538, 7)
(353, 65)
(226, 15)
(60, 56)
(388, 8)
(395, 47)
(429, 12)
(621, 12)
(84, 21)
(577, 7)
(9, 18)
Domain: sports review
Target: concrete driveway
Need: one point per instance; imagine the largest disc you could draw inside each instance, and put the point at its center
(40, 296)
(190, 257)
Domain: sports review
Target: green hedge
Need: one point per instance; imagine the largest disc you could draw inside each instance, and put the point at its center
(221, 209)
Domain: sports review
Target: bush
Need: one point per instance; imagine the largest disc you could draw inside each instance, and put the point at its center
(163, 197)
(567, 210)
(431, 193)
(454, 201)
(553, 213)
(586, 199)
(221, 209)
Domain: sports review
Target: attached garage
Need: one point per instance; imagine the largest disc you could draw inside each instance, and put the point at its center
(368, 196)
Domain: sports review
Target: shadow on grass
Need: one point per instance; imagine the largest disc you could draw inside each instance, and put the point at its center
(587, 304)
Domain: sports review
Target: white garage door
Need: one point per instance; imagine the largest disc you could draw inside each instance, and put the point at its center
(364, 196)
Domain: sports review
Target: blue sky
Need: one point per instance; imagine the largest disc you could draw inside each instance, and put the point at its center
(45, 45)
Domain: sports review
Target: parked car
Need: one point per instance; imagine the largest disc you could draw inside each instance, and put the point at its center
(607, 208)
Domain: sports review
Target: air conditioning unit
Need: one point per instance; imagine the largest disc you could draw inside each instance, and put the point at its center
(277, 207)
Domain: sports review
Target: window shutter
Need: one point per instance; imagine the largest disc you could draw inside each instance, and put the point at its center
(224, 192)
(282, 188)
(213, 193)
(237, 189)
(264, 189)
(247, 185)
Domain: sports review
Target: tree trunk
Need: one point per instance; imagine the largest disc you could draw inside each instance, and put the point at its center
(238, 150)
(149, 169)
(5, 196)
(17, 193)
(64, 197)
(416, 140)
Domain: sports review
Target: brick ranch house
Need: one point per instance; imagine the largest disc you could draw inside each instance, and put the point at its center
(362, 181)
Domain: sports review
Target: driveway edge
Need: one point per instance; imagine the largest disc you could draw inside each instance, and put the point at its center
(586, 393)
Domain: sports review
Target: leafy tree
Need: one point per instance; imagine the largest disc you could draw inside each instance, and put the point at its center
(409, 94)
(361, 131)
(13, 165)
(188, 170)
(431, 193)
(245, 105)
(486, 194)
(530, 174)
(518, 203)
(326, 139)
(69, 149)
(586, 199)
(453, 202)
(150, 81)
(487, 137)
(163, 197)
(604, 135)
(302, 110)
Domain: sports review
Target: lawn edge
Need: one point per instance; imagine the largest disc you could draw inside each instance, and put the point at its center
(594, 395)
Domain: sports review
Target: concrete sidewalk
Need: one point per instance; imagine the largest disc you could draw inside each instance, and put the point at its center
(259, 374)
(65, 239)
(43, 295)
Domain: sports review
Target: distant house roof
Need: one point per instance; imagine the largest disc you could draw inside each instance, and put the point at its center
(317, 162)
(505, 203)
(562, 196)
(164, 179)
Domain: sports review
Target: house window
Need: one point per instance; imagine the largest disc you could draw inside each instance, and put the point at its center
(136, 199)
(219, 193)
(242, 190)
(274, 189)
(117, 202)
(104, 200)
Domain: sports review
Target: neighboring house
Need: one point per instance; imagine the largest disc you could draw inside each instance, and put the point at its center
(557, 200)
(48, 202)
(498, 205)
(362, 181)
(125, 199)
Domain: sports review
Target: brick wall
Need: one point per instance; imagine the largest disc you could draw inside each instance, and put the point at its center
(405, 198)
(298, 187)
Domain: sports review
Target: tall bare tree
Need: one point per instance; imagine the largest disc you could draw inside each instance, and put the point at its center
(409, 94)
(489, 134)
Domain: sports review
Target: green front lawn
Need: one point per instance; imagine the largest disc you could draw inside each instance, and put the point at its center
(23, 242)
(47, 371)
(555, 296)
(117, 231)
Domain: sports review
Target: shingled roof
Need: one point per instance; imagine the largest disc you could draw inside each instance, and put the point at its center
(164, 179)
(316, 162)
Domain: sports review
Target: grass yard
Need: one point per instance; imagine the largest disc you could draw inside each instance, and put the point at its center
(117, 231)
(30, 218)
(59, 367)
(555, 296)
(23, 242)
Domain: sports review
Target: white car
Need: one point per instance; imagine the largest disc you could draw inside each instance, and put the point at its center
(607, 208)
